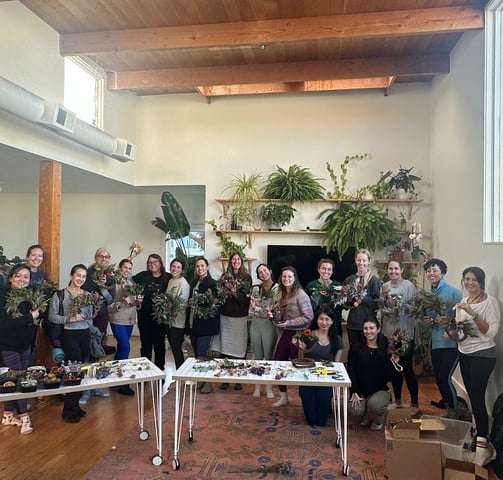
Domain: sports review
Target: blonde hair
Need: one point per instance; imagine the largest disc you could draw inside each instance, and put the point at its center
(368, 274)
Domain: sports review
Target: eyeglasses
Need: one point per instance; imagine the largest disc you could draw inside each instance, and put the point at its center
(153, 262)
(104, 257)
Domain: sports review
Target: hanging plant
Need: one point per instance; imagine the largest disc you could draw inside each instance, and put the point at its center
(341, 181)
(359, 226)
(295, 184)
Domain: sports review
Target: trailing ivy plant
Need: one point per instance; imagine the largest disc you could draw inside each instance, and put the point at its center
(363, 225)
(341, 181)
(295, 184)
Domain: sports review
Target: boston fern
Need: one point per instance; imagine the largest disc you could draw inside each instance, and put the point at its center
(358, 226)
(294, 184)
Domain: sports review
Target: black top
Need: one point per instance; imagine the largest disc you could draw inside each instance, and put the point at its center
(16, 333)
(152, 285)
(370, 369)
(368, 307)
(238, 305)
(209, 325)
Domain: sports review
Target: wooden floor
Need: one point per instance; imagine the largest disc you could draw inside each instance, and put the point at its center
(58, 450)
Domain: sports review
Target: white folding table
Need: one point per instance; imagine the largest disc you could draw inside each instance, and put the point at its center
(122, 372)
(279, 373)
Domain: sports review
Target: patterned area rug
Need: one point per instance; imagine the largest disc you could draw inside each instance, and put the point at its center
(239, 436)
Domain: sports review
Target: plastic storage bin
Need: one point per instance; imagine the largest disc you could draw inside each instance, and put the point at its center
(453, 437)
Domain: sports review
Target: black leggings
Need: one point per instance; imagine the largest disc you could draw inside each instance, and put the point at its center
(444, 361)
(407, 362)
(475, 372)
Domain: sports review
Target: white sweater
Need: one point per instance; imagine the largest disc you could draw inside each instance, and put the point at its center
(183, 288)
(489, 311)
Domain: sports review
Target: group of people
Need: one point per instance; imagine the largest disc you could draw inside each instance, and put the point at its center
(275, 313)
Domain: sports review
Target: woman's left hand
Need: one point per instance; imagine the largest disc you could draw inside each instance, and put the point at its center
(281, 325)
(464, 306)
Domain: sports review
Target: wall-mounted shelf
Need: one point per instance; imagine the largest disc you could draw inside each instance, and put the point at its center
(250, 233)
(225, 202)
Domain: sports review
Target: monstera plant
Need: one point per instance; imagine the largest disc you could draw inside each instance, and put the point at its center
(176, 227)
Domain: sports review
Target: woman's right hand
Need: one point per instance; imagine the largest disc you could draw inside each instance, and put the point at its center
(78, 317)
(35, 314)
(355, 400)
(254, 302)
(428, 320)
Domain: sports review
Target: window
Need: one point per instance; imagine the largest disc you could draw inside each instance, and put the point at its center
(84, 89)
(493, 99)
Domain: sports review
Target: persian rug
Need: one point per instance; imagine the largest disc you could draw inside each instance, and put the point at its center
(238, 436)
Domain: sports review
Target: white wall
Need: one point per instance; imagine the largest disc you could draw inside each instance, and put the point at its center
(29, 57)
(457, 169)
(187, 141)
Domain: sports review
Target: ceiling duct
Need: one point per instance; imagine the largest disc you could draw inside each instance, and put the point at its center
(51, 114)
(20, 102)
(92, 137)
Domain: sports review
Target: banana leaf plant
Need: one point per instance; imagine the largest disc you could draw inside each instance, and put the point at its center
(177, 228)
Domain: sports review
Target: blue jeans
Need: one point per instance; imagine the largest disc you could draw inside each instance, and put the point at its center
(122, 334)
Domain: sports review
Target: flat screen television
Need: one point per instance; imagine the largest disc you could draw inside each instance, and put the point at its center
(305, 260)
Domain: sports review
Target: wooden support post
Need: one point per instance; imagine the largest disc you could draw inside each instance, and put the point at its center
(49, 216)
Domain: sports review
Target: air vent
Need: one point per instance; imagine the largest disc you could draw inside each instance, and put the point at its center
(58, 117)
(124, 150)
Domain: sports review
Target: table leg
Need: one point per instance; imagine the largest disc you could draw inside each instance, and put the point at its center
(156, 392)
(140, 401)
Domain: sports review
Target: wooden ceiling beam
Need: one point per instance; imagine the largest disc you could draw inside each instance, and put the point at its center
(279, 72)
(362, 25)
(297, 87)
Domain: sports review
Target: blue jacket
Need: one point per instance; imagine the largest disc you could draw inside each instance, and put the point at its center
(450, 295)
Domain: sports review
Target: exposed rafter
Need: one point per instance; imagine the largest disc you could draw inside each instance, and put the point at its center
(363, 25)
(280, 73)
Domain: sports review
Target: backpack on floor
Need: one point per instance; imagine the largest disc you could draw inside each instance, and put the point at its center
(497, 436)
(55, 330)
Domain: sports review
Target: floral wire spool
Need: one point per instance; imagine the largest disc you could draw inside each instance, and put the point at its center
(303, 363)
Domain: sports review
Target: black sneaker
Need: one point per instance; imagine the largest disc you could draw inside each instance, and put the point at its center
(238, 386)
(224, 386)
(109, 350)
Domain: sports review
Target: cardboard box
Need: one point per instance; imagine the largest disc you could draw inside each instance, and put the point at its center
(401, 426)
(413, 459)
(458, 470)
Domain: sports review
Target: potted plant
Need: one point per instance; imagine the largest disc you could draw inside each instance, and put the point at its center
(228, 246)
(363, 225)
(277, 214)
(176, 227)
(295, 184)
(246, 192)
(403, 182)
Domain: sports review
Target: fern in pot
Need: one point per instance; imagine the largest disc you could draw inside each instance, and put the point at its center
(360, 226)
(277, 214)
(293, 185)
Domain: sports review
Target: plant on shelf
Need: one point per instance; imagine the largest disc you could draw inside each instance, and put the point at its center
(403, 181)
(228, 246)
(293, 185)
(246, 192)
(341, 181)
(363, 225)
(277, 214)
(377, 191)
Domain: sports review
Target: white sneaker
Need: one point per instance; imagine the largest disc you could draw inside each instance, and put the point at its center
(394, 405)
(484, 456)
(26, 427)
(376, 426)
(11, 419)
(100, 392)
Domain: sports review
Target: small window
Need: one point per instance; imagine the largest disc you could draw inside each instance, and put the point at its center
(493, 151)
(84, 88)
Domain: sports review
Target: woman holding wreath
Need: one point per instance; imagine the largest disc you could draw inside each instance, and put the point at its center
(479, 316)
(17, 334)
(399, 294)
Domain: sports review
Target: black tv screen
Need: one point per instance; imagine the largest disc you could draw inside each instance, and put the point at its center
(305, 260)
